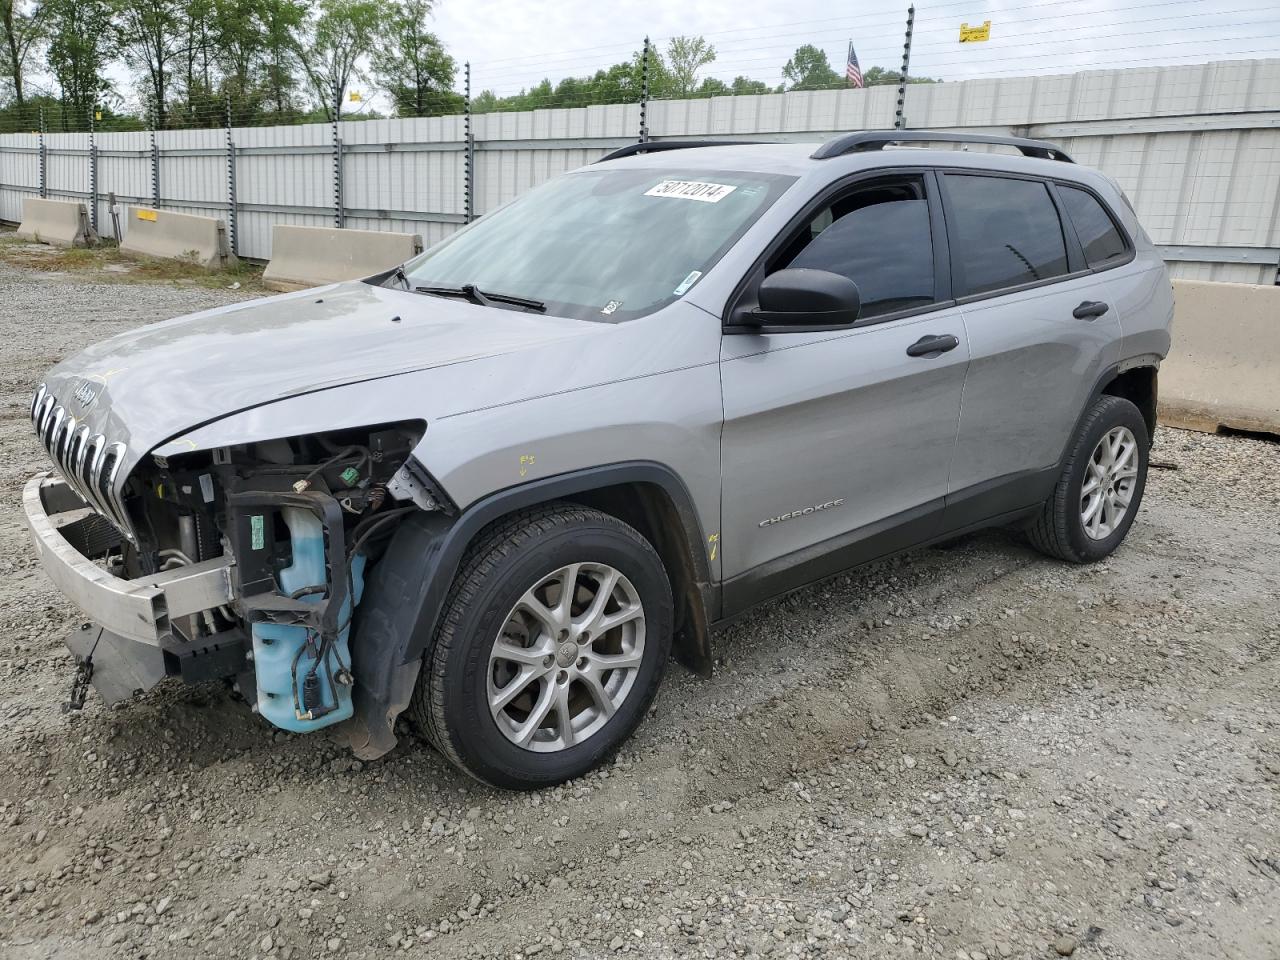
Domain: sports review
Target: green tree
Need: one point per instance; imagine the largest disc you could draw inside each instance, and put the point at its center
(237, 42)
(22, 28)
(486, 101)
(412, 64)
(620, 83)
(279, 23)
(686, 56)
(809, 69)
(711, 87)
(196, 54)
(879, 76)
(344, 33)
(744, 86)
(81, 44)
(150, 35)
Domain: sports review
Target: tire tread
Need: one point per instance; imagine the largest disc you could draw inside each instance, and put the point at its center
(493, 546)
(1049, 532)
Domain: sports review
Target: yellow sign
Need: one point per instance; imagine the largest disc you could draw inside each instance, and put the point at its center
(970, 34)
(354, 96)
(97, 115)
(145, 214)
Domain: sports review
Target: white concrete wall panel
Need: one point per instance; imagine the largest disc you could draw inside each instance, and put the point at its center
(1196, 148)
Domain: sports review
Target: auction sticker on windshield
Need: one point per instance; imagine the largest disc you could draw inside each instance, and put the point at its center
(691, 190)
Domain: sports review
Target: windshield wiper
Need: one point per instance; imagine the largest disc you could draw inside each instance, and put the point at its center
(469, 291)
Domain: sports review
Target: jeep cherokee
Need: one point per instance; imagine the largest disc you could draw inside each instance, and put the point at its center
(498, 486)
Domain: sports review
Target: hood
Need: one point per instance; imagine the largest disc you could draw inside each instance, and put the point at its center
(150, 384)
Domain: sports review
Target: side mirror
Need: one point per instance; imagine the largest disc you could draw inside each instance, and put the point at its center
(801, 297)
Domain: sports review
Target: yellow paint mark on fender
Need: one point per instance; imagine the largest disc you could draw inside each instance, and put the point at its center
(714, 542)
(527, 460)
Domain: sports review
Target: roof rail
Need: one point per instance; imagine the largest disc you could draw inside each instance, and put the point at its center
(879, 139)
(656, 146)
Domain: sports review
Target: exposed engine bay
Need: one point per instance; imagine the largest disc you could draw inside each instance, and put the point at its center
(303, 519)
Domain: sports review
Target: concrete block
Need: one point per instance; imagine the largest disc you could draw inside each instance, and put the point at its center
(1224, 367)
(62, 223)
(201, 241)
(311, 256)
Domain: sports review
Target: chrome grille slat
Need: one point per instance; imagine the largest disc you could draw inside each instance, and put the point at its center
(107, 483)
(64, 444)
(42, 415)
(89, 462)
(61, 437)
(78, 448)
(51, 428)
(95, 471)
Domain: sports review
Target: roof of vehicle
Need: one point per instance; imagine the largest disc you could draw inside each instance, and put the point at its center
(796, 159)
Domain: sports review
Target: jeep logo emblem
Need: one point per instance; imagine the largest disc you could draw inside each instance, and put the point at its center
(85, 394)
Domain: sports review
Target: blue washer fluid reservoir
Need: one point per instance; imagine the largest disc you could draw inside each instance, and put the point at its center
(276, 645)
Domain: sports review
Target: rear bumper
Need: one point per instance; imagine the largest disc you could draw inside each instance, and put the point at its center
(140, 609)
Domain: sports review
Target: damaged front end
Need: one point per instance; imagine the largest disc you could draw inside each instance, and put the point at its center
(245, 562)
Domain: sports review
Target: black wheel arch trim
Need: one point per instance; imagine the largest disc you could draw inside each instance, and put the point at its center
(1108, 374)
(452, 542)
(405, 592)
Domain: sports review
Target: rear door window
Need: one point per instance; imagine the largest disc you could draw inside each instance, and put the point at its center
(1098, 233)
(1004, 232)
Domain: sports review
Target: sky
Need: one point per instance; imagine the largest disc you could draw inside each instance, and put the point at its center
(514, 43)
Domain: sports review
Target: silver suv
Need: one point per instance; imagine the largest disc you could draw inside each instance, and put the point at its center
(499, 485)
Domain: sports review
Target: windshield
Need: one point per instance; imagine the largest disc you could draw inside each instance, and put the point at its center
(606, 245)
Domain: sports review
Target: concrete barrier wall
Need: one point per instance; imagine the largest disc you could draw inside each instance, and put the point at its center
(63, 223)
(178, 236)
(1224, 368)
(311, 256)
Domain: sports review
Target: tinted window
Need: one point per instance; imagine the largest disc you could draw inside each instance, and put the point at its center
(879, 238)
(1007, 232)
(1095, 228)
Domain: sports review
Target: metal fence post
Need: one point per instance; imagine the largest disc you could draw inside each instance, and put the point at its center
(900, 117)
(644, 93)
(155, 165)
(44, 186)
(339, 214)
(93, 172)
(468, 150)
(232, 226)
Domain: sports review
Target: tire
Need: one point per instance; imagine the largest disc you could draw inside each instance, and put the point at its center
(490, 640)
(1061, 530)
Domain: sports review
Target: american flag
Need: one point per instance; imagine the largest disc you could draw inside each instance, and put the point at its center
(853, 72)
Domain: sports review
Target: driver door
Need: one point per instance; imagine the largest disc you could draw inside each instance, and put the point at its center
(837, 443)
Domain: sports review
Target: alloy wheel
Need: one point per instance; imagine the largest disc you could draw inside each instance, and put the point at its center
(566, 657)
(1109, 481)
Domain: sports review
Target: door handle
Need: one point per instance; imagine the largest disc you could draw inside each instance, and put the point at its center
(1090, 310)
(933, 346)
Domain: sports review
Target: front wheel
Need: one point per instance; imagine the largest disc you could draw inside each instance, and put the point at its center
(1100, 489)
(553, 642)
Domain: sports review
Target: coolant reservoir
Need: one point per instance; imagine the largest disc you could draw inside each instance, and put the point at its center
(281, 661)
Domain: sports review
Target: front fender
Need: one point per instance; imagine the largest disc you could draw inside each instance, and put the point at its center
(406, 591)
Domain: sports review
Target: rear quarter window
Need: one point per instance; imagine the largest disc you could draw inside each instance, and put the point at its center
(1099, 236)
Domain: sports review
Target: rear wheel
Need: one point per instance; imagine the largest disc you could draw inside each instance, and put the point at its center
(1100, 489)
(553, 642)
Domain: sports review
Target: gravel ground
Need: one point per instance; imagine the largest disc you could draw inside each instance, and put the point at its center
(970, 752)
